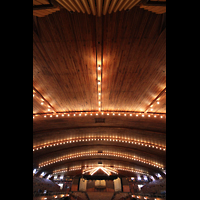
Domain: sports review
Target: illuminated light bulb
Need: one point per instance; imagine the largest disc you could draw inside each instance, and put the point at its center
(119, 114)
(74, 114)
(85, 114)
(62, 115)
(113, 113)
(33, 95)
(91, 114)
(130, 114)
(142, 115)
(99, 82)
(148, 115)
(154, 115)
(99, 67)
(107, 113)
(96, 113)
(68, 115)
(158, 102)
(48, 109)
(42, 103)
(56, 115)
(136, 115)
(33, 117)
(161, 116)
(99, 93)
(124, 114)
(50, 115)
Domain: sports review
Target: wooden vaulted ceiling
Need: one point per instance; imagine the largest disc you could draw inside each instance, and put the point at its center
(124, 116)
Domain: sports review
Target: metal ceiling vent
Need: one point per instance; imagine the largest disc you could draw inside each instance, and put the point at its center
(99, 120)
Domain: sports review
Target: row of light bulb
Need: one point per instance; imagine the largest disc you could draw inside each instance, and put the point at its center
(95, 153)
(116, 167)
(100, 138)
(43, 102)
(66, 169)
(114, 113)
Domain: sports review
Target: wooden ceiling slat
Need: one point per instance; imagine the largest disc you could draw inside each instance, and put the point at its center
(111, 7)
(105, 6)
(85, 3)
(78, 2)
(63, 4)
(99, 7)
(92, 6)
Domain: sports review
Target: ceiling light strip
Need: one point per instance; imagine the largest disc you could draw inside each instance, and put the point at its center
(106, 153)
(117, 139)
(156, 98)
(39, 96)
(107, 113)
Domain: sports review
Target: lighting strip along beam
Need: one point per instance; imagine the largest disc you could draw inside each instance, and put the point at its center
(98, 113)
(90, 167)
(67, 170)
(95, 153)
(155, 100)
(95, 170)
(100, 138)
(39, 97)
(116, 167)
(99, 84)
(104, 169)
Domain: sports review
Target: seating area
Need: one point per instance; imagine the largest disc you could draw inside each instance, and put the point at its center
(122, 196)
(157, 187)
(100, 195)
(42, 184)
(78, 195)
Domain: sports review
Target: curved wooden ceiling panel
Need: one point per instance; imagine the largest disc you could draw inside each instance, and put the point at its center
(123, 116)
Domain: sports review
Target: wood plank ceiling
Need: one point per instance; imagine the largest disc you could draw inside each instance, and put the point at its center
(42, 8)
(126, 53)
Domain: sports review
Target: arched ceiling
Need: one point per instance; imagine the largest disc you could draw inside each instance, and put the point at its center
(120, 122)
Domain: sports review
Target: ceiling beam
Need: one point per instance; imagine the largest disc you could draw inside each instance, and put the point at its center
(43, 99)
(155, 100)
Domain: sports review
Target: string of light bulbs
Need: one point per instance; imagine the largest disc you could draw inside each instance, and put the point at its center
(117, 139)
(106, 113)
(106, 153)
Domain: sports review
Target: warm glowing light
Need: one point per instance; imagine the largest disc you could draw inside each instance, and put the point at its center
(106, 170)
